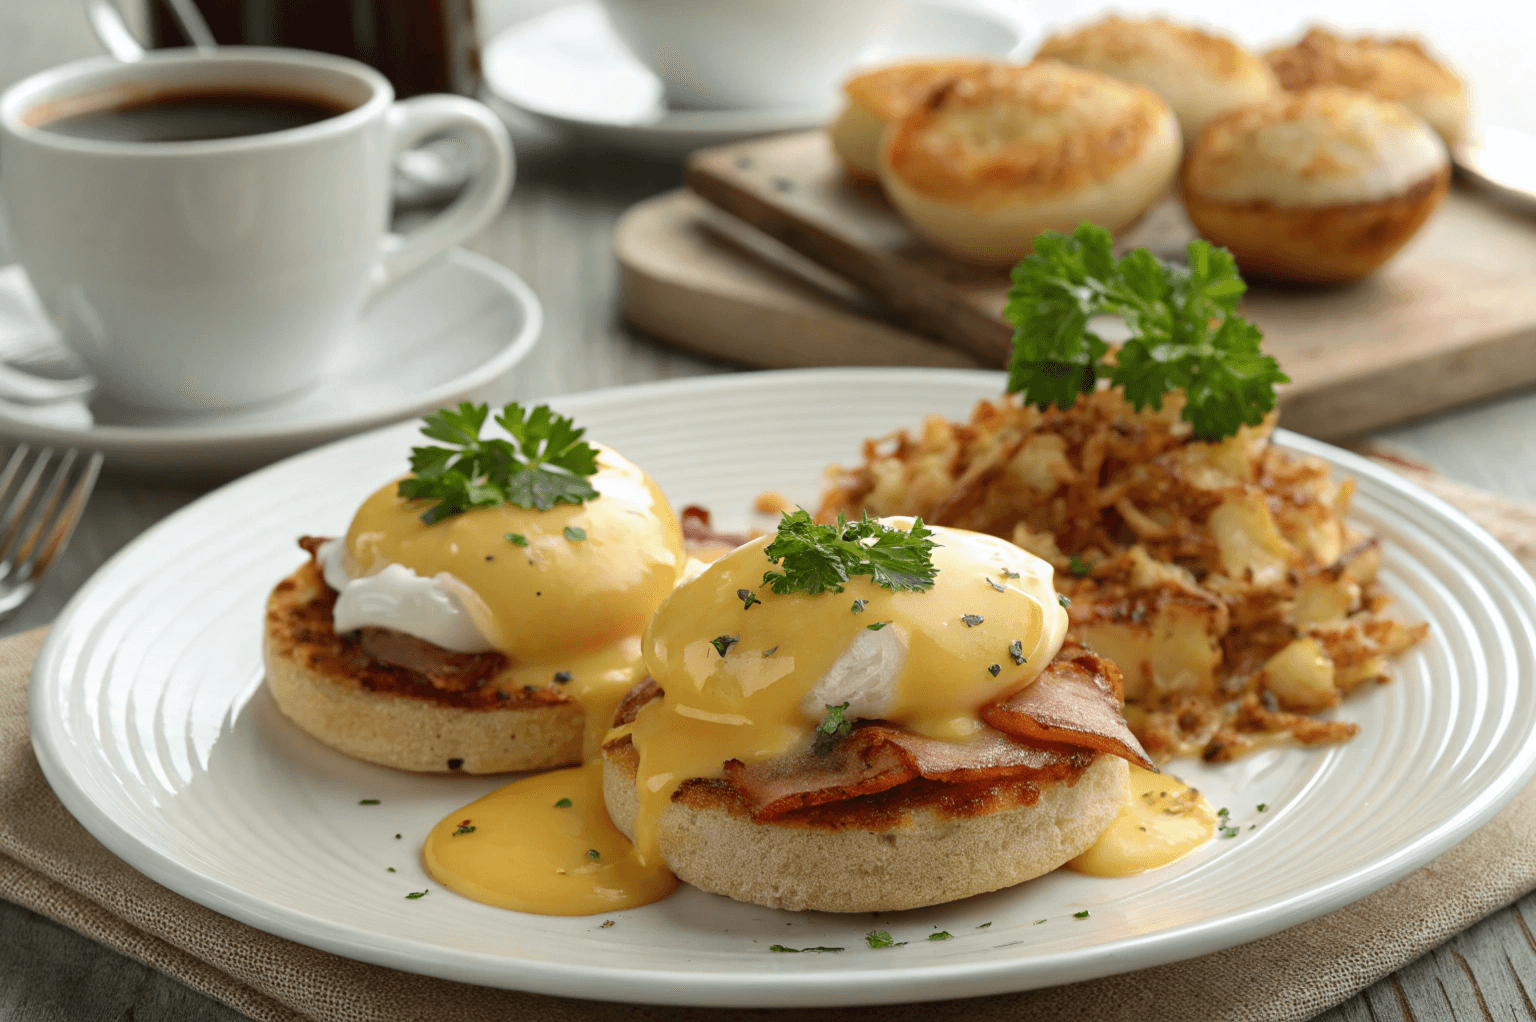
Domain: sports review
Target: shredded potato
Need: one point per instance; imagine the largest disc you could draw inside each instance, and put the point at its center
(1220, 577)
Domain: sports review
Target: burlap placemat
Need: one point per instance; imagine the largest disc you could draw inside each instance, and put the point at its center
(49, 864)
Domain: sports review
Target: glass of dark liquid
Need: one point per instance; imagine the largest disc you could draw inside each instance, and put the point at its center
(421, 46)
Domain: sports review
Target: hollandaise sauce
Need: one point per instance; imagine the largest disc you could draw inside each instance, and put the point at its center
(540, 586)
(1163, 820)
(748, 673)
(544, 844)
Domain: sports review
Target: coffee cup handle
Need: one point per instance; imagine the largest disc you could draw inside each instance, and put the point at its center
(411, 122)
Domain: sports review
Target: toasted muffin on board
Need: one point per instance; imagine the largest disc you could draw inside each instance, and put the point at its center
(878, 97)
(1198, 73)
(990, 160)
(1323, 185)
(1400, 70)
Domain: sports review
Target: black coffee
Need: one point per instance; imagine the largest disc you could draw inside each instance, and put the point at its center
(191, 117)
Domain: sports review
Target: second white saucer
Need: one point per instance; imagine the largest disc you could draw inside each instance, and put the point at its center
(447, 333)
(568, 67)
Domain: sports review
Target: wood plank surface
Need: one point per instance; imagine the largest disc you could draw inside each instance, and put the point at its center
(1448, 321)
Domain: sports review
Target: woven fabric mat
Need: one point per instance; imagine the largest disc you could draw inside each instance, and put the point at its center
(49, 864)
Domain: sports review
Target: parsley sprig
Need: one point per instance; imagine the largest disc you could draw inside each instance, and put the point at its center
(816, 558)
(545, 463)
(1185, 333)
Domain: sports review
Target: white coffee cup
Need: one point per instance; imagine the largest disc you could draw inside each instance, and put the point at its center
(224, 272)
(736, 54)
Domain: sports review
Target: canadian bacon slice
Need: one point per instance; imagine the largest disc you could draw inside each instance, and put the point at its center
(1075, 701)
(875, 757)
(862, 763)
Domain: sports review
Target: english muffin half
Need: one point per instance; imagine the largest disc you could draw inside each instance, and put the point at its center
(1322, 186)
(990, 160)
(1399, 70)
(922, 842)
(1198, 73)
(878, 97)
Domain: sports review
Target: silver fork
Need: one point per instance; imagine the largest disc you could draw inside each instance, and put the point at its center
(42, 496)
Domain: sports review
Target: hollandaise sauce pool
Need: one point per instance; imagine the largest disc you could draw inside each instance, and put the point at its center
(1163, 820)
(545, 845)
(564, 593)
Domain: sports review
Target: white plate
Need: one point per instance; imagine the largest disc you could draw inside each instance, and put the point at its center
(150, 721)
(568, 67)
(449, 331)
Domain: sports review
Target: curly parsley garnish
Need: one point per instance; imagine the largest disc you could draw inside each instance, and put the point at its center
(1185, 333)
(545, 463)
(831, 728)
(815, 558)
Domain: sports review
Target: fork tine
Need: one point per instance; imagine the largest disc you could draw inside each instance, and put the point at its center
(16, 505)
(71, 510)
(42, 516)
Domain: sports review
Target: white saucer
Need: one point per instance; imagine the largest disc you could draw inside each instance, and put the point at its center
(447, 333)
(568, 67)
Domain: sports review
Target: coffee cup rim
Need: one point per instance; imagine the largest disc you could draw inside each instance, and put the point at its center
(27, 93)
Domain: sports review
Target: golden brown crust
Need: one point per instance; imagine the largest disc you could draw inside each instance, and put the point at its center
(1395, 69)
(890, 92)
(1400, 70)
(1325, 244)
(1036, 131)
(1125, 40)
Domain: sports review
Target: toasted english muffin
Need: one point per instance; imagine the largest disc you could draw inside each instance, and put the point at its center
(1322, 185)
(1399, 70)
(993, 158)
(331, 687)
(920, 843)
(1199, 74)
(878, 97)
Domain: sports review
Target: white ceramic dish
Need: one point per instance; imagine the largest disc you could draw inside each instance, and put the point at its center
(450, 331)
(568, 67)
(151, 723)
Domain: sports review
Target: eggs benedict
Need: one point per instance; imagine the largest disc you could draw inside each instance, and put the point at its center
(483, 613)
(864, 716)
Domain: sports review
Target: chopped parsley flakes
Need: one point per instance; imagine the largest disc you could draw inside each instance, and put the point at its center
(747, 598)
(941, 935)
(831, 728)
(1080, 915)
(972, 620)
(723, 643)
(516, 538)
(781, 949)
(564, 803)
(882, 938)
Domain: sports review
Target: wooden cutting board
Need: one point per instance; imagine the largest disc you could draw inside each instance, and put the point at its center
(789, 263)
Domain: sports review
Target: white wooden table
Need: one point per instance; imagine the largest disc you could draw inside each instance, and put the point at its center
(556, 234)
